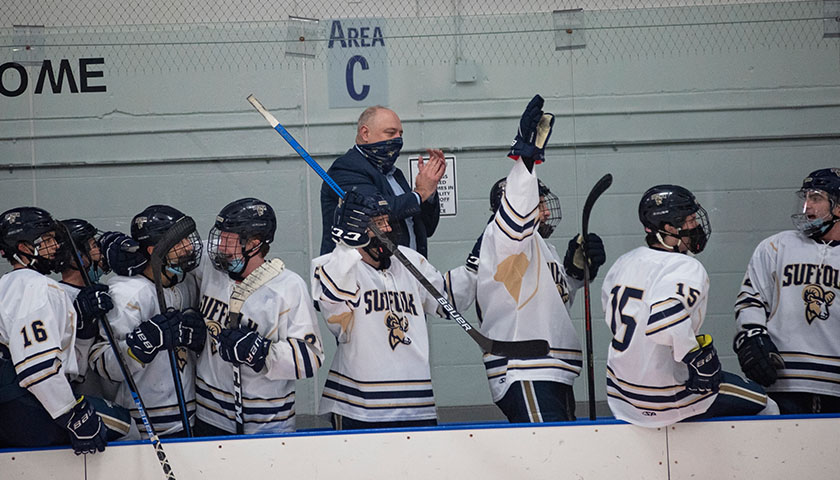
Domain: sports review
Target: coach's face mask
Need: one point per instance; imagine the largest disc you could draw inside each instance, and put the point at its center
(382, 154)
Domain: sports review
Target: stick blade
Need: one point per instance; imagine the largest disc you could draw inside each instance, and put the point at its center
(600, 187)
(522, 349)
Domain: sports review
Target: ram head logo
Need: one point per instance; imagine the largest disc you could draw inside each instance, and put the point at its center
(817, 302)
(396, 330)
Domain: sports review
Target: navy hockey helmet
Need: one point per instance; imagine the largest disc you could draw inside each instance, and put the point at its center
(247, 218)
(29, 225)
(551, 203)
(81, 231)
(150, 225)
(824, 181)
(671, 205)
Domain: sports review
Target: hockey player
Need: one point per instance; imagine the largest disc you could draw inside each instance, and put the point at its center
(380, 375)
(91, 302)
(787, 312)
(277, 342)
(660, 370)
(38, 345)
(143, 331)
(523, 292)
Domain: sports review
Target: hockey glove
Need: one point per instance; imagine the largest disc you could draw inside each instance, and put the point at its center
(352, 217)
(243, 346)
(758, 356)
(91, 303)
(192, 331)
(122, 254)
(534, 130)
(574, 259)
(704, 373)
(87, 433)
(160, 332)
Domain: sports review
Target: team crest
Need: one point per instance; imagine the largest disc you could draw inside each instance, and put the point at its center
(817, 302)
(214, 328)
(140, 221)
(396, 330)
(181, 356)
(12, 217)
(260, 210)
(658, 198)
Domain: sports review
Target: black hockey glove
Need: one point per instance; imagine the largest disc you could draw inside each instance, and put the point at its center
(160, 332)
(87, 433)
(704, 373)
(91, 303)
(534, 129)
(574, 259)
(192, 331)
(352, 217)
(472, 259)
(758, 356)
(122, 254)
(241, 345)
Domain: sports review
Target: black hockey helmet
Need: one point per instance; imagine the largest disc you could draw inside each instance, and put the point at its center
(824, 181)
(148, 226)
(670, 205)
(376, 248)
(247, 218)
(81, 231)
(28, 225)
(552, 203)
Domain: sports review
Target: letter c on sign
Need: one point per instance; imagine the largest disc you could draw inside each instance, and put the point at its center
(351, 88)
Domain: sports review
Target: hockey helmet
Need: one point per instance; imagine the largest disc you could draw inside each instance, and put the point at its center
(825, 181)
(551, 203)
(81, 232)
(247, 218)
(671, 205)
(150, 225)
(28, 225)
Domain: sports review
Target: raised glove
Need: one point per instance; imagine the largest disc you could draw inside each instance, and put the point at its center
(704, 373)
(192, 331)
(574, 259)
(91, 303)
(122, 254)
(534, 130)
(758, 356)
(160, 332)
(241, 345)
(87, 433)
(352, 217)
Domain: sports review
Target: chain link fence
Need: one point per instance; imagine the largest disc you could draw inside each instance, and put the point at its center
(257, 35)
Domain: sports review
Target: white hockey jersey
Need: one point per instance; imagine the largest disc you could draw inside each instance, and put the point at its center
(281, 311)
(135, 301)
(380, 372)
(87, 382)
(522, 291)
(38, 327)
(791, 287)
(654, 302)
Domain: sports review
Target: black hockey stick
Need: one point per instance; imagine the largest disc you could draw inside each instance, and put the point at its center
(181, 230)
(512, 349)
(241, 291)
(599, 188)
(129, 380)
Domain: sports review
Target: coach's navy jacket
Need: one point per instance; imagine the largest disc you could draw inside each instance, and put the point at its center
(353, 170)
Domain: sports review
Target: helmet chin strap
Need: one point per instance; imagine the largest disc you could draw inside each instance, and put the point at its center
(675, 248)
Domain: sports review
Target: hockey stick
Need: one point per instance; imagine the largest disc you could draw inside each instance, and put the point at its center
(241, 291)
(513, 349)
(129, 380)
(599, 188)
(181, 230)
